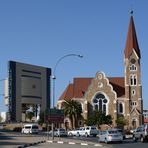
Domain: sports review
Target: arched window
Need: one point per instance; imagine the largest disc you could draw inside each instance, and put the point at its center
(100, 102)
(133, 67)
(133, 80)
(120, 108)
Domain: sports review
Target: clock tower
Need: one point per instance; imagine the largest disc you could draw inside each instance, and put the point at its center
(133, 87)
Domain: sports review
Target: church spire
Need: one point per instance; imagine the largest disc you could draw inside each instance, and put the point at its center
(131, 42)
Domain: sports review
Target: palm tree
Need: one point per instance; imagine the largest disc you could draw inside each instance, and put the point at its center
(73, 110)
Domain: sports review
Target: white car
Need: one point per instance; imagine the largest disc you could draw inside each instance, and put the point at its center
(74, 132)
(111, 135)
(88, 131)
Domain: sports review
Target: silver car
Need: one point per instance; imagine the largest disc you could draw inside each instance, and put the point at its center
(111, 135)
(141, 133)
(60, 132)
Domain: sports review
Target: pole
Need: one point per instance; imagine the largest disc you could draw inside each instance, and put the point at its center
(52, 126)
(54, 78)
(54, 71)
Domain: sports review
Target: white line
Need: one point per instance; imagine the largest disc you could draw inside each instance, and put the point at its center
(97, 145)
(71, 143)
(60, 142)
(50, 141)
(84, 144)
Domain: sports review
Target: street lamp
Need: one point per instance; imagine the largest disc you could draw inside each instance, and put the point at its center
(54, 70)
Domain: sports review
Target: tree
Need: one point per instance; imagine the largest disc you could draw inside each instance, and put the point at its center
(121, 121)
(98, 118)
(73, 110)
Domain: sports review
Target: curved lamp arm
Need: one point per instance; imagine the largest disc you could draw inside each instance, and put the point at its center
(53, 76)
(54, 70)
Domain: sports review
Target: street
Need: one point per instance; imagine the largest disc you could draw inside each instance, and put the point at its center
(15, 140)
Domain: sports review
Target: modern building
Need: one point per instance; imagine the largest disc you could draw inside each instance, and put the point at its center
(26, 85)
(117, 96)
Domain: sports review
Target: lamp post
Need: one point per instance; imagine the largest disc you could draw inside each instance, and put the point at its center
(54, 70)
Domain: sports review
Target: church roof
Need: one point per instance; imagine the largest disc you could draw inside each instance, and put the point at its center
(131, 42)
(76, 89)
(79, 86)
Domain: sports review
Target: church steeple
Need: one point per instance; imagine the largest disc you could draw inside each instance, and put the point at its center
(131, 42)
(133, 87)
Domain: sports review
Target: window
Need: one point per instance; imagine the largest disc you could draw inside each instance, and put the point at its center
(100, 103)
(120, 108)
(133, 103)
(133, 80)
(133, 92)
(133, 67)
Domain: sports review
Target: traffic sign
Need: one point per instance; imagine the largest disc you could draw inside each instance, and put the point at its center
(55, 115)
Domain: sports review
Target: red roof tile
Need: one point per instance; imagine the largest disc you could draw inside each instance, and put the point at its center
(68, 93)
(80, 86)
(118, 85)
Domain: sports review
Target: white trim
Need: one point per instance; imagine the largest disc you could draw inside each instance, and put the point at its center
(135, 53)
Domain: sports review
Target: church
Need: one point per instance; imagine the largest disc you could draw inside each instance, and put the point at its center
(115, 96)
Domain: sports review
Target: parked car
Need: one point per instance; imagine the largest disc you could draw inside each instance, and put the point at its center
(30, 129)
(141, 133)
(121, 131)
(74, 132)
(111, 135)
(60, 132)
(87, 131)
(133, 130)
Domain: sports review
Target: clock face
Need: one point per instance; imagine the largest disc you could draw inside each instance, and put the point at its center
(133, 61)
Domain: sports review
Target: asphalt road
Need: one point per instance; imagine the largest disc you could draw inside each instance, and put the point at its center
(14, 140)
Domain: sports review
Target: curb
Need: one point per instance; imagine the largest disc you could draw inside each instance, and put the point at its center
(30, 144)
(59, 142)
(72, 143)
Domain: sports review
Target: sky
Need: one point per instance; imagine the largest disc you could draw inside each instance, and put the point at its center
(40, 32)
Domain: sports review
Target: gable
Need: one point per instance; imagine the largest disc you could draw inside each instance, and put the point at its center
(78, 88)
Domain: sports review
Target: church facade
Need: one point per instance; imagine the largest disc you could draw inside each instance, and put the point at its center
(117, 96)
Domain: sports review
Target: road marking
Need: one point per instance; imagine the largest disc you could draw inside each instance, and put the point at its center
(60, 142)
(84, 144)
(97, 145)
(71, 143)
(50, 141)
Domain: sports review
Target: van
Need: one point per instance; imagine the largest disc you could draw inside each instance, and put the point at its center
(30, 129)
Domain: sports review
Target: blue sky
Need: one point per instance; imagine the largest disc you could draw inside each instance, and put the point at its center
(39, 32)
